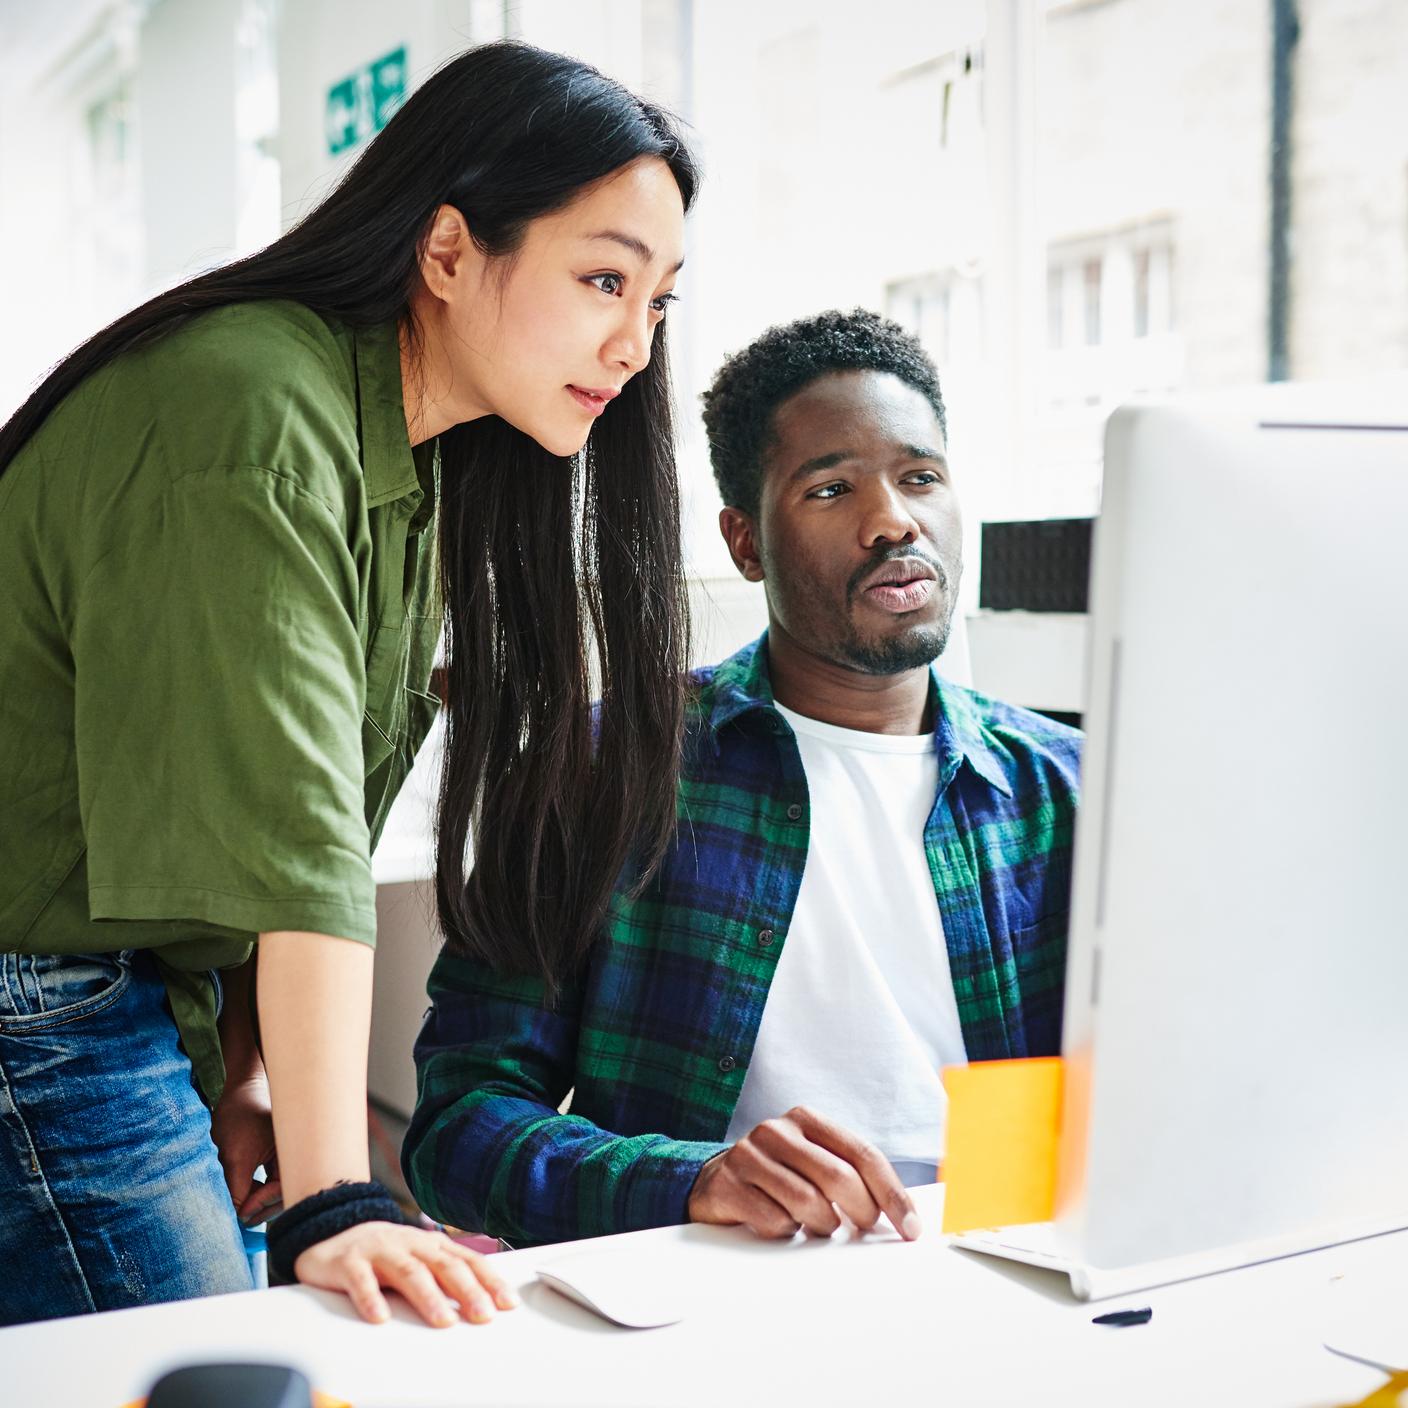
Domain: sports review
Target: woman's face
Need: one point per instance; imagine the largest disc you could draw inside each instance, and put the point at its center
(547, 337)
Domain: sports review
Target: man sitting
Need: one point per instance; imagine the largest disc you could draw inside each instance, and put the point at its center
(870, 878)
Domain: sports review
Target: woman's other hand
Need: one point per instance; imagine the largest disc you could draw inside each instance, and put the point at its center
(242, 1126)
(433, 1273)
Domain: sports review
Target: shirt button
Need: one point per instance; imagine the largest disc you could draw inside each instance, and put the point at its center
(794, 812)
(727, 1063)
(765, 937)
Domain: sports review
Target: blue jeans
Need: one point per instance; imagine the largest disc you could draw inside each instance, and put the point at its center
(111, 1192)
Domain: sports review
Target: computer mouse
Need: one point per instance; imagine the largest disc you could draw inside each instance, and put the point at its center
(618, 1286)
(232, 1386)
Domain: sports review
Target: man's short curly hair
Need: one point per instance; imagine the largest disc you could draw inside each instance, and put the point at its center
(751, 384)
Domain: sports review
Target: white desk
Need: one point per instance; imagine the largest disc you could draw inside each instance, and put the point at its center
(874, 1322)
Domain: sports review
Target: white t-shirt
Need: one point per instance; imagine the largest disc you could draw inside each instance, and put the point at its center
(861, 1014)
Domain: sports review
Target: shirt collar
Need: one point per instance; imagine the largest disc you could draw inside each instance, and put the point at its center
(960, 735)
(388, 465)
(743, 685)
(740, 685)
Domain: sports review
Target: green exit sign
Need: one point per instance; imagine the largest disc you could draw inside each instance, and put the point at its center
(361, 104)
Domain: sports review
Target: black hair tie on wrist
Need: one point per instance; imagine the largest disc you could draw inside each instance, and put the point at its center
(324, 1215)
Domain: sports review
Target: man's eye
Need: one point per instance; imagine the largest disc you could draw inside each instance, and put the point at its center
(607, 283)
(925, 476)
(828, 491)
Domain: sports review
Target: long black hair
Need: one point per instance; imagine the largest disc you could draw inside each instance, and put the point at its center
(545, 561)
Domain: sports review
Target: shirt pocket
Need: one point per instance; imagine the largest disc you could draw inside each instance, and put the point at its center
(386, 670)
(377, 747)
(421, 710)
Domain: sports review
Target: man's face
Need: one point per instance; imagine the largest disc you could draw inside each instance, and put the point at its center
(859, 538)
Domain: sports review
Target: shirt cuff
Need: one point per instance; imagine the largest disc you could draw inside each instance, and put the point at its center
(655, 1189)
(244, 913)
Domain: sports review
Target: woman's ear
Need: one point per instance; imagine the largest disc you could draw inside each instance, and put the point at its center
(450, 261)
(741, 537)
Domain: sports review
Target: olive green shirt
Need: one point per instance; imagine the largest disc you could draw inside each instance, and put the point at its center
(217, 565)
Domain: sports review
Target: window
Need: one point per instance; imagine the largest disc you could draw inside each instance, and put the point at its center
(1090, 287)
(1109, 315)
(923, 305)
(1055, 309)
(1141, 293)
(1153, 286)
(111, 193)
(256, 127)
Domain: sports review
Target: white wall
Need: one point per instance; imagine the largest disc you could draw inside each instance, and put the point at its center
(824, 180)
(55, 290)
(322, 41)
(88, 230)
(185, 87)
(1349, 268)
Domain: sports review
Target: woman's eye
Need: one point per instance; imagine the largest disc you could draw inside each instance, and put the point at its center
(663, 302)
(607, 283)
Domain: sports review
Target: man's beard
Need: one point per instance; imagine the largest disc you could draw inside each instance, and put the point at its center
(920, 646)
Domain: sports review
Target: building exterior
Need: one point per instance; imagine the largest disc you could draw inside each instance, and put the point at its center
(1068, 199)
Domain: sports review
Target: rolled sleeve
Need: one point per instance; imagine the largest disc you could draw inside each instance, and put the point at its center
(220, 685)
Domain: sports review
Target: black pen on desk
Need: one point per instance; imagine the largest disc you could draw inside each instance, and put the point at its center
(1142, 1316)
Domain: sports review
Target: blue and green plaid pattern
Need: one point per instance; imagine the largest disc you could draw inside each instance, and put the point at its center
(654, 1040)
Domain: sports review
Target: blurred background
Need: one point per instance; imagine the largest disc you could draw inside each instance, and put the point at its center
(1070, 201)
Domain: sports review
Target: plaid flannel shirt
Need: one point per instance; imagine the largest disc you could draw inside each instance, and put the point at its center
(654, 1038)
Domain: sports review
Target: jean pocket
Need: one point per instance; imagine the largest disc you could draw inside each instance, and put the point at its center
(41, 990)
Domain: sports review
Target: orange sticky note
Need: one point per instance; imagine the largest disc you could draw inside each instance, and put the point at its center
(1000, 1152)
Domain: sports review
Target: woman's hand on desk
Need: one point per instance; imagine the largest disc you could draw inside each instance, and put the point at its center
(797, 1171)
(315, 1000)
(427, 1268)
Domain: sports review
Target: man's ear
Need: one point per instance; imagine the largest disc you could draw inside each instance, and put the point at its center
(449, 258)
(741, 537)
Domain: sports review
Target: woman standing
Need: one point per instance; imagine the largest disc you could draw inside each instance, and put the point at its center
(218, 553)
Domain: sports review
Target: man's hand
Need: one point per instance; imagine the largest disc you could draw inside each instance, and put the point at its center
(242, 1126)
(797, 1171)
(434, 1274)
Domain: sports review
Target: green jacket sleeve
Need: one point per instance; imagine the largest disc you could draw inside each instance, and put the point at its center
(220, 686)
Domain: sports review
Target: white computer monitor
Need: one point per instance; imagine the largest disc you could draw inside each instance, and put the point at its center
(1236, 1019)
